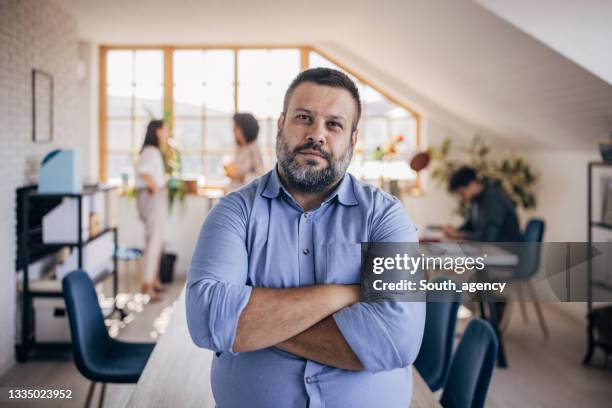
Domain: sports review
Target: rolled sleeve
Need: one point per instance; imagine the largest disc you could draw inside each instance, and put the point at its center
(385, 335)
(216, 284)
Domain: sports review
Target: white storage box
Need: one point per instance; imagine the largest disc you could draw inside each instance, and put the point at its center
(51, 320)
(61, 223)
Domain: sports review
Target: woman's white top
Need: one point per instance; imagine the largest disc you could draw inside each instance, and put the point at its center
(248, 162)
(150, 162)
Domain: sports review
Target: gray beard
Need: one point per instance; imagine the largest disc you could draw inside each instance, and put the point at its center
(306, 178)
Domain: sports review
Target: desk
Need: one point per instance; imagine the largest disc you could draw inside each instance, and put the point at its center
(178, 372)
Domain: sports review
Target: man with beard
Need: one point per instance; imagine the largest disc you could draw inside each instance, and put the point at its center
(273, 285)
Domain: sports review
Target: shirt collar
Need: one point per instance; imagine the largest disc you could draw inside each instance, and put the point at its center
(344, 192)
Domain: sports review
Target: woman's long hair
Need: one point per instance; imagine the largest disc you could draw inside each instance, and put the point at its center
(151, 138)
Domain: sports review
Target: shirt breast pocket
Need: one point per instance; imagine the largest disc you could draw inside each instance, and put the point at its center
(343, 263)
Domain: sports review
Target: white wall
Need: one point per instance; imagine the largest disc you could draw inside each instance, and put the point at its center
(580, 29)
(33, 34)
(181, 232)
(86, 120)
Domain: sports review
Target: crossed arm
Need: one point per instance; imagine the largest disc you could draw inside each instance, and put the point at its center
(298, 321)
(323, 323)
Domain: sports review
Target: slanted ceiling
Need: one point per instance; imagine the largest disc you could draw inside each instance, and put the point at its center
(454, 53)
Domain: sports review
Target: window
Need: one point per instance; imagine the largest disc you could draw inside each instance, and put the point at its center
(203, 107)
(202, 88)
(382, 121)
(134, 95)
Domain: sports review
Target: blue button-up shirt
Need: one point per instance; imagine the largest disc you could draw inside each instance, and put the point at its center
(259, 236)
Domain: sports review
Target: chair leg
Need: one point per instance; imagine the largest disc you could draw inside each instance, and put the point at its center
(90, 392)
(521, 299)
(101, 402)
(505, 321)
(538, 310)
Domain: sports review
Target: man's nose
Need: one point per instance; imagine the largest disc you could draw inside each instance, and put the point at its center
(317, 132)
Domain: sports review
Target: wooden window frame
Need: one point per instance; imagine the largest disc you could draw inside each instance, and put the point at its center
(168, 105)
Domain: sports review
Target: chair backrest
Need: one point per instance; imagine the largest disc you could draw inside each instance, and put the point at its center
(472, 367)
(530, 248)
(436, 350)
(87, 329)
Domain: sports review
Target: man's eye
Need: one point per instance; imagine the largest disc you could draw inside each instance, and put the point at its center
(335, 125)
(303, 118)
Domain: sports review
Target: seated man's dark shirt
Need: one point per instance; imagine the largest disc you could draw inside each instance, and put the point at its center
(492, 217)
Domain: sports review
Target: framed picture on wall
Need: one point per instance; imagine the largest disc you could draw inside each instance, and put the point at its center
(42, 106)
(606, 214)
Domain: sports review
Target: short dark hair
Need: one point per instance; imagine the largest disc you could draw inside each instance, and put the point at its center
(248, 124)
(326, 77)
(461, 177)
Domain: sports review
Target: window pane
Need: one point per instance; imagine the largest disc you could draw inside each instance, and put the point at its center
(120, 67)
(192, 165)
(219, 134)
(267, 133)
(149, 67)
(407, 127)
(214, 167)
(119, 135)
(188, 100)
(219, 82)
(263, 78)
(374, 133)
(119, 100)
(203, 82)
(118, 164)
(188, 67)
(149, 101)
(188, 133)
(140, 124)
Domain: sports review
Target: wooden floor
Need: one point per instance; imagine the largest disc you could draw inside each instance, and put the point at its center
(548, 373)
(541, 373)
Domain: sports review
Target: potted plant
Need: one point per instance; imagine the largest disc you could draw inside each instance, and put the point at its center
(513, 174)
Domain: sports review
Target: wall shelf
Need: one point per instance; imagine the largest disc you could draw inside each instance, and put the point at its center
(31, 208)
(592, 342)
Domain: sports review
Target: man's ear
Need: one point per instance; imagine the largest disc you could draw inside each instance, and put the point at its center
(354, 136)
(281, 121)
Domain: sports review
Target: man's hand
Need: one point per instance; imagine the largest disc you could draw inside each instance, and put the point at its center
(274, 315)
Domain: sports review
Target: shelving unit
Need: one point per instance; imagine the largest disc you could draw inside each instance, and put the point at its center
(32, 206)
(592, 341)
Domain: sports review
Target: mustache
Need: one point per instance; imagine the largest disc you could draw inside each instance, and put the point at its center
(313, 146)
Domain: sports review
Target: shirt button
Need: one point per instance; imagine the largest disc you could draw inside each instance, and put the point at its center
(308, 380)
(305, 215)
(306, 251)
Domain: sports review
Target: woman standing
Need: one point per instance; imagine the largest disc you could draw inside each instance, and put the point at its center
(151, 202)
(248, 163)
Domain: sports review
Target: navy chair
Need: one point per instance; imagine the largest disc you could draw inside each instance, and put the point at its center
(436, 350)
(98, 357)
(470, 372)
(520, 276)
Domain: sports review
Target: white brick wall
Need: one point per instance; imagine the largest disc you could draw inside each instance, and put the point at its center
(33, 34)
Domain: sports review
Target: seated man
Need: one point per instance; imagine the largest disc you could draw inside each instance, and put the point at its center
(273, 286)
(491, 216)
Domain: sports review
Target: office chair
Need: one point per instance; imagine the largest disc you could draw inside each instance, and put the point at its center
(436, 350)
(98, 357)
(472, 367)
